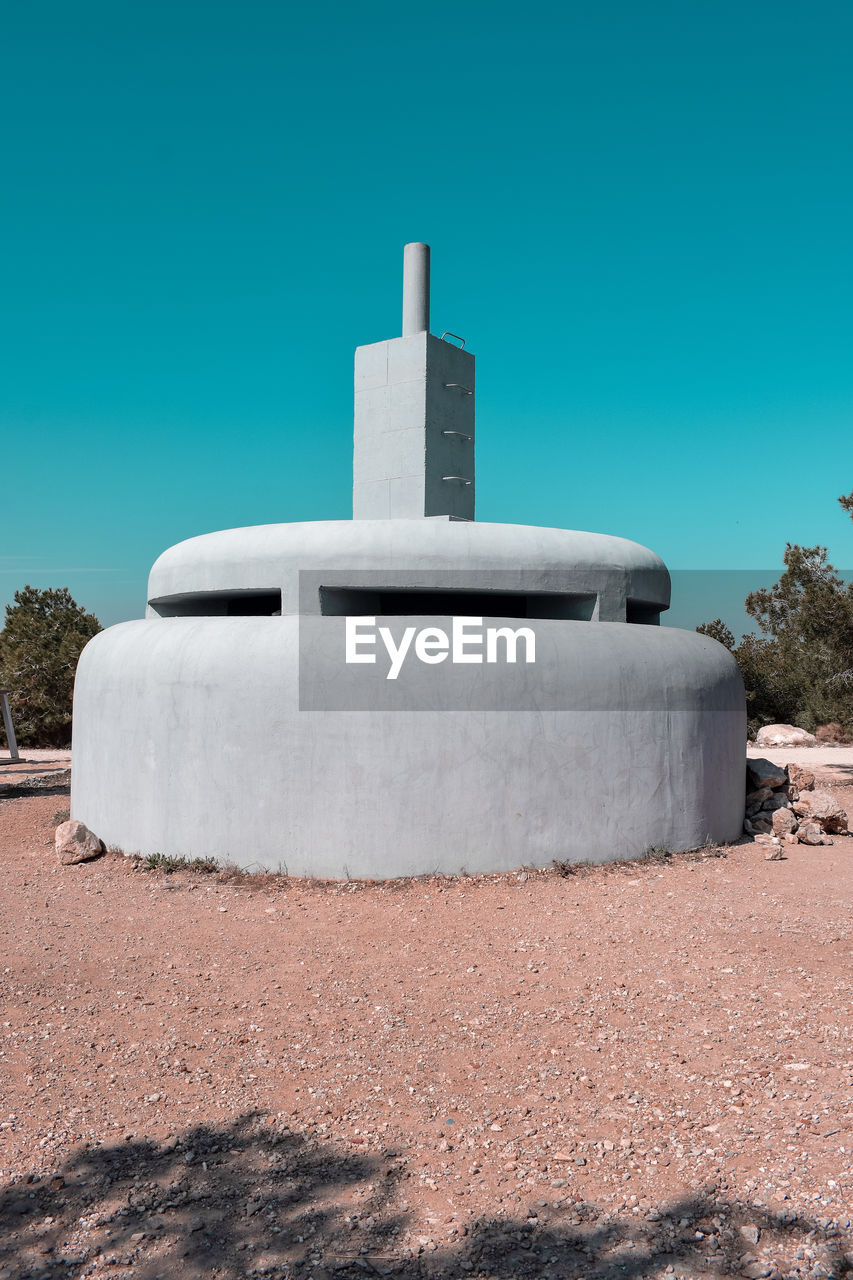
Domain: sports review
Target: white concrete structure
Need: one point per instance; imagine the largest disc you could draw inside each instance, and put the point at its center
(228, 722)
(415, 289)
(414, 416)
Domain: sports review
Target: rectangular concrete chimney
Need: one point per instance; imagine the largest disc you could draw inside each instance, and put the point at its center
(413, 453)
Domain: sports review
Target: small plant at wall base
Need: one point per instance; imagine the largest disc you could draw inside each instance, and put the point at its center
(170, 863)
(656, 853)
(40, 645)
(799, 670)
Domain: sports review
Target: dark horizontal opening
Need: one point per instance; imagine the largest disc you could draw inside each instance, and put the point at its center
(358, 601)
(641, 612)
(219, 604)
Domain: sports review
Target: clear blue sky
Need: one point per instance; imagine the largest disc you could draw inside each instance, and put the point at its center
(641, 218)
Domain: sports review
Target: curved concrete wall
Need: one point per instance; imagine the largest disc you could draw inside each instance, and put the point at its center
(497, 556)
(189, 740)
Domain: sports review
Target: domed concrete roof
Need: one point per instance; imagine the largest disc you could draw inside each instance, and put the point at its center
(410, 555)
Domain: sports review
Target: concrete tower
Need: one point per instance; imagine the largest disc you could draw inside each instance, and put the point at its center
(413, 452)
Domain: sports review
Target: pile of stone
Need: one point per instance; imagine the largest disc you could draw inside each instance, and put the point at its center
(783, 806)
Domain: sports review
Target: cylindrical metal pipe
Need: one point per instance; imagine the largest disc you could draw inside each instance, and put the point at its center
(415, 288)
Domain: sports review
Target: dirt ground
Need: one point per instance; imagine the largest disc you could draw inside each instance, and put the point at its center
(636, 1070)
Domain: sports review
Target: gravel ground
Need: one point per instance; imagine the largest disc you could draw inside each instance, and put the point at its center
(637, 1070)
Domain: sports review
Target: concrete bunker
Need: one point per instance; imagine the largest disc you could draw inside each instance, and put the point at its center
(226, 722)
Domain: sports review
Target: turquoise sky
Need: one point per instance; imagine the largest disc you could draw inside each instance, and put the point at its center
(641, 218)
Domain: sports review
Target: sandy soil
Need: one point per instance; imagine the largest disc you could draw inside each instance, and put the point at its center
(640, 1070)
(54, 755)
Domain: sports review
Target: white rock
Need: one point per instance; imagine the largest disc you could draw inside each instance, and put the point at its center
(784, 735)
(76, 843)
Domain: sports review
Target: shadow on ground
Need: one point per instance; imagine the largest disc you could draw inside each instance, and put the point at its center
(252, 1199)
(18, 787)
(841, 774)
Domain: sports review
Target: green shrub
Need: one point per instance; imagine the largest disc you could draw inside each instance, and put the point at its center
(40, 645)
(799, 669)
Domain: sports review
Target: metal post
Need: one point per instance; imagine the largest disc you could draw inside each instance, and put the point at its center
(415, 288)
(7, 724)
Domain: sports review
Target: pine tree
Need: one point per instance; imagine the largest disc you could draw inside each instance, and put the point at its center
(799, 670)
(45, 633)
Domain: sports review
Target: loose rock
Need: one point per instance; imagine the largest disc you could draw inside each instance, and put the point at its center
(784, 735)
(822, 807)
(784, 822)
(76, 843)
(778, 800)
(757, 1270)
(763, 773)
(801, 778)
